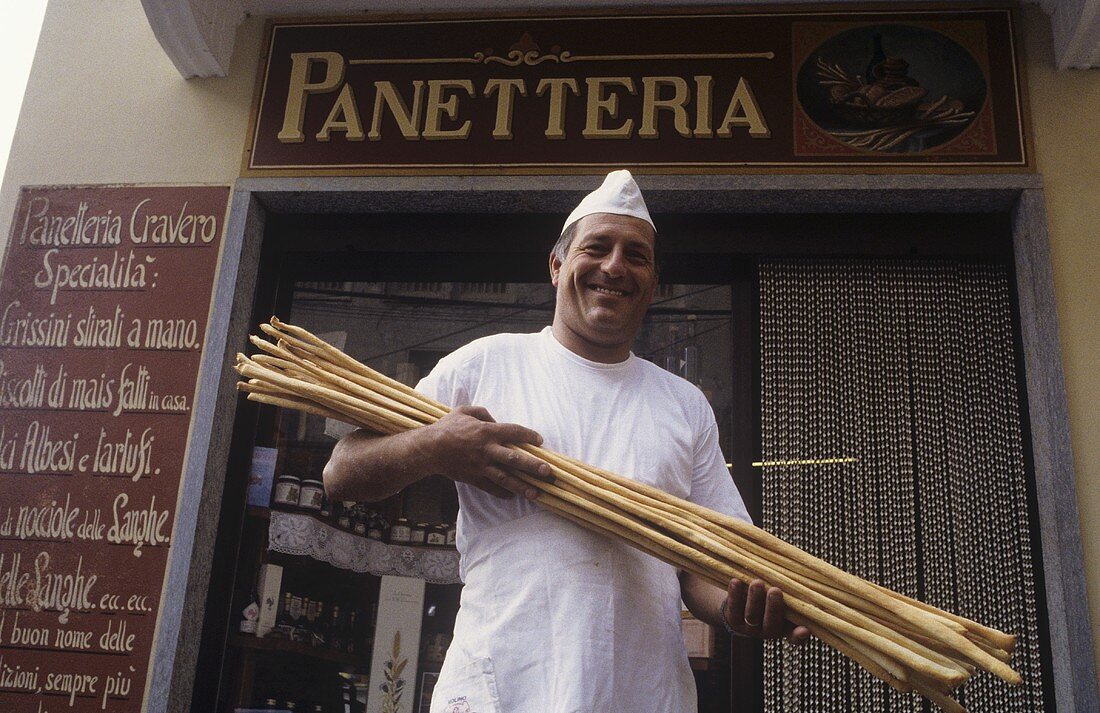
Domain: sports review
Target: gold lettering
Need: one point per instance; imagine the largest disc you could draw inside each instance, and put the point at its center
(555, 122)
(652, 103)
(408, 121)
(703, 92)
(505, 102)
(598, 104)
(301, 64)
(350, 124)
(743, 111)
(437, 107)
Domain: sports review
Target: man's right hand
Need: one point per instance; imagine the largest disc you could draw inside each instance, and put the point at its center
(468, 446)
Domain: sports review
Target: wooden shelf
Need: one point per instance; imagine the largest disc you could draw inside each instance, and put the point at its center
(703, 664)
(258, 512)
(244, 641)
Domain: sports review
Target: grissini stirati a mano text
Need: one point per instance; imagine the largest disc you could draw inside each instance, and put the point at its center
(908, 644)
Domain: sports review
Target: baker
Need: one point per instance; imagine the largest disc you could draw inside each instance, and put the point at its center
(553, 618)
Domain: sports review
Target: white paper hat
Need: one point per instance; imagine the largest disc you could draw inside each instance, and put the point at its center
(619, 194)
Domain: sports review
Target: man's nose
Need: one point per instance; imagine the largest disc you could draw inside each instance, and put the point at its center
(614, 263)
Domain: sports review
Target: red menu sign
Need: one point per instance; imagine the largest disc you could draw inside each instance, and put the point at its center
(104, 302)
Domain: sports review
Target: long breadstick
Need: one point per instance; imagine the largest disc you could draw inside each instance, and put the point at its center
(919, 616)
(339, 382)
(341, 358)
(307, 337)
(904, 642)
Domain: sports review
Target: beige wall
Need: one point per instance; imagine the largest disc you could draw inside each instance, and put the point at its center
(1067, 147)
(74, 128)
(105, 105)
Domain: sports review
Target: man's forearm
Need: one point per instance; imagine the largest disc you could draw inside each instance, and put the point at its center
(367, 467)
(466, 445)
(703, 599)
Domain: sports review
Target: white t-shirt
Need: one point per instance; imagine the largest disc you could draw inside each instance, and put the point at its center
(555, 619)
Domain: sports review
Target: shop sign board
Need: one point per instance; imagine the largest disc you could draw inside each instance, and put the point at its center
(104, 303)
(827, 90)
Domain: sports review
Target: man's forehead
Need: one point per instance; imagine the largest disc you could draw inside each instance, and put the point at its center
(612, 225)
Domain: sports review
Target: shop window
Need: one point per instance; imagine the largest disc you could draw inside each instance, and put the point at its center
(716, 320)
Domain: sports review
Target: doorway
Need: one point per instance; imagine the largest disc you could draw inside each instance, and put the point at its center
(476, 274)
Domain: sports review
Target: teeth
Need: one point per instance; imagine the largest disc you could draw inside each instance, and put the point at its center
(606, 291)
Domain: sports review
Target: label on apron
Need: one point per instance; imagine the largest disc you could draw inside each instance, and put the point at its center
(472, 689)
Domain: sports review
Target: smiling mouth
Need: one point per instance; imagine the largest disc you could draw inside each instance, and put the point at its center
(608, 291)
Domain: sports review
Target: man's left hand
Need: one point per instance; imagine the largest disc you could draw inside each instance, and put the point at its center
(759, 611)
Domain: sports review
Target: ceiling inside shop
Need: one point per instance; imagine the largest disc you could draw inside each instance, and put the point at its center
(198, 35)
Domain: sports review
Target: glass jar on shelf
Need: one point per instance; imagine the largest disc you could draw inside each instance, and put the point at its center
(311, 495)
(437, 536)
(400, 533)
(287, 491)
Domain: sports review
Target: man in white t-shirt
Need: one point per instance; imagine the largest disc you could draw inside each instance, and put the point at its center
(553, 618)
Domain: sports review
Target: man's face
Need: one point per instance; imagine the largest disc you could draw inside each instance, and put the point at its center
(604, 286)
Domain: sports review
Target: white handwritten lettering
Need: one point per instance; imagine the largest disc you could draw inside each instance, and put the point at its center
(122, 272)
(165, 229)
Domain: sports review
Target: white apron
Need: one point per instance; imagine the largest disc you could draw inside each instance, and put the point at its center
(557, 620)
(554, 619)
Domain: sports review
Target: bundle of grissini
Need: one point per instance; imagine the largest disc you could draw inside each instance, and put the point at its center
(906, 643)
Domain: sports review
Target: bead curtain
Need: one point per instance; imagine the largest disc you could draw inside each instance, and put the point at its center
(900, 376)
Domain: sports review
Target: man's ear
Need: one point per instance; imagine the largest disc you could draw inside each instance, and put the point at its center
(555, 269)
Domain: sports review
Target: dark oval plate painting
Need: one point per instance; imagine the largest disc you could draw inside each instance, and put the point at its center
(891, 88)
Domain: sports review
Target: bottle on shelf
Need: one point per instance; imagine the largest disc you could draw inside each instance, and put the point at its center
(319, 625)
(359, 519)
(376, 526)
(334, 638)
(251, 614)
(284, 624)
(343, 518)
(349, 643)
(296, 618)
